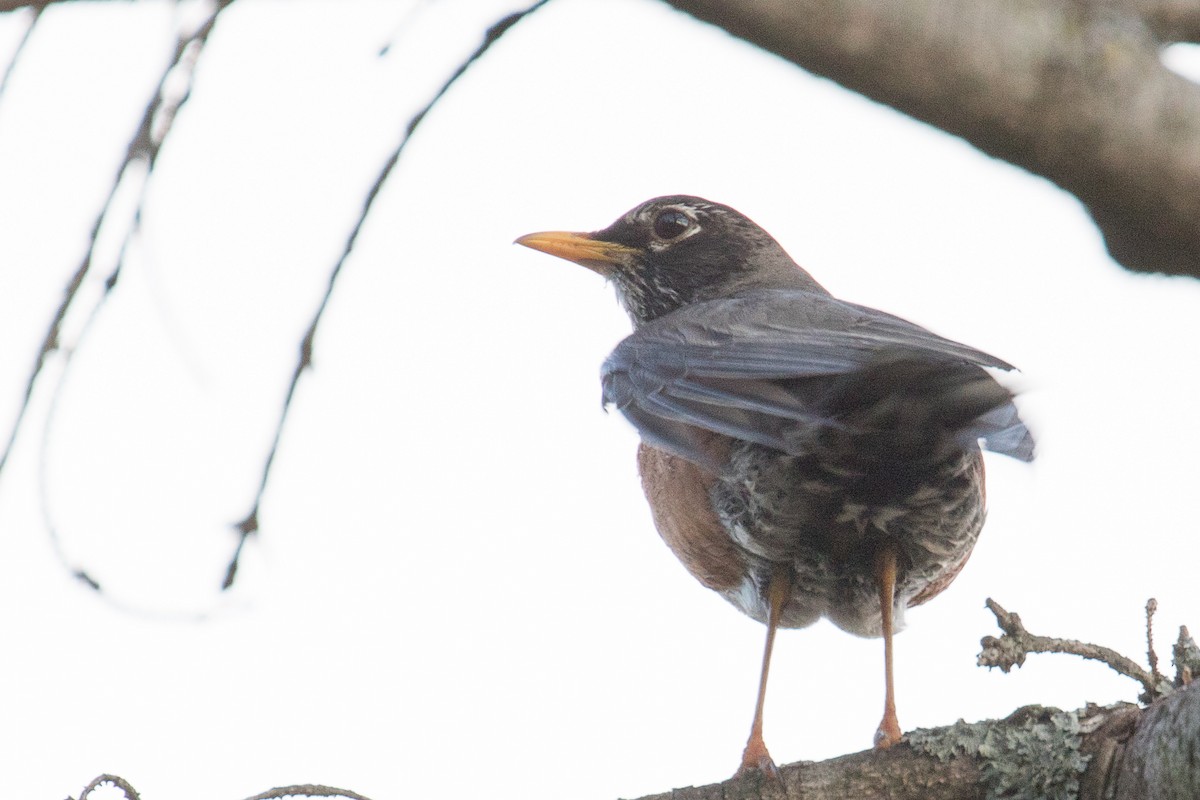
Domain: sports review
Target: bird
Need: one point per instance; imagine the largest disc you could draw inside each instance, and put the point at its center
(803, 456)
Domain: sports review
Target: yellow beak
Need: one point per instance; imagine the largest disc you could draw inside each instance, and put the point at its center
(580, 248)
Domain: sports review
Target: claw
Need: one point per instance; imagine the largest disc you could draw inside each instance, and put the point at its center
(756, 760)
(888, 733)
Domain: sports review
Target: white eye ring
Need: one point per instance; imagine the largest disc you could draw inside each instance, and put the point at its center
(671, 223)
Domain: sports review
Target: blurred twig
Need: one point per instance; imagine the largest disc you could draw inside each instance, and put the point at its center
(140, 156)
(113, 780)
(307, 790)
(34, 14)
(249, 524)
(297, 790)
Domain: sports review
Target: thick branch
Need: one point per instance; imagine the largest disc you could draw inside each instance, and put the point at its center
(1159, 761)
(1073, 91)
(1036, 752)
(13, 5)
(899, 773)
(1091, 754)
(1171, 20)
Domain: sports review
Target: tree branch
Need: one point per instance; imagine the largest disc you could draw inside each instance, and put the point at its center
(1090, 754)
(1094, 753)
(141, 154)
(109, 780)
(1072, 91)
(1171, 20)
(307, 790)
(248, 525)
(1011, 649)
(1186, 656)
(33, 17)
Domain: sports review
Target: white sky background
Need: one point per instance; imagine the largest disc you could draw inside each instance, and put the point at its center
(457, 589)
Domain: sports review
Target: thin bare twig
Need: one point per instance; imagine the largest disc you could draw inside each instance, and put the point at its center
(115, 780)
(248, 525)
(307, 790)
(296, 790)
(1151, 656)
(34, 15)
(1011, 649)
(141, 153)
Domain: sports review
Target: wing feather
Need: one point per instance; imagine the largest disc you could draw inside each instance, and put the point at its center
(765, 366)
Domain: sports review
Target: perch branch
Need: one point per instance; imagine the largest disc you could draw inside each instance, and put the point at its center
(1091, 753)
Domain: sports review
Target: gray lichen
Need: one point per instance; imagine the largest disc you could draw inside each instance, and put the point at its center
(1032, 755)
(1186, 657)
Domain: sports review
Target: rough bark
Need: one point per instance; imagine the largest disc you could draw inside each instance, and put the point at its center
(1161, 760)
(1095, 753)
(1073, 90)
(1035, 754)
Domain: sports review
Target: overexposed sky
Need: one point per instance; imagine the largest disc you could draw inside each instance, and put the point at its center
(457, 589)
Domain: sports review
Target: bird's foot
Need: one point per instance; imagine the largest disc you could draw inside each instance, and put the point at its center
(756, 760)
(888, 733)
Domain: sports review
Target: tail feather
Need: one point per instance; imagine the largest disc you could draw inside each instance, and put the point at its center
(900, 408)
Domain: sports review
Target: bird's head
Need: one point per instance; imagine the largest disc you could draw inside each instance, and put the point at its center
(672, 251)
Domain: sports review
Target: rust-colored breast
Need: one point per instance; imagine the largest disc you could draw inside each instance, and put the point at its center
(678, 493)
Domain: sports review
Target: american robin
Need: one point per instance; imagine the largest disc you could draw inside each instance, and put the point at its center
(803, 456)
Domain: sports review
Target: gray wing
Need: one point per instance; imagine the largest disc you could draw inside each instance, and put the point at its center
(782, 367)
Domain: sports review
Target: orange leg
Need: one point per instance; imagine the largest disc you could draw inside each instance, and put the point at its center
(885, 575)
(755, 757)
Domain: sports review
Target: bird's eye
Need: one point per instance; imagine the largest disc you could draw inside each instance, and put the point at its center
(671, 224)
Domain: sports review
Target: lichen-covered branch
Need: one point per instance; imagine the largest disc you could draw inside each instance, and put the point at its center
(1034, 753)
(1094, 753)
(1073, 91)
(1090, 754)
